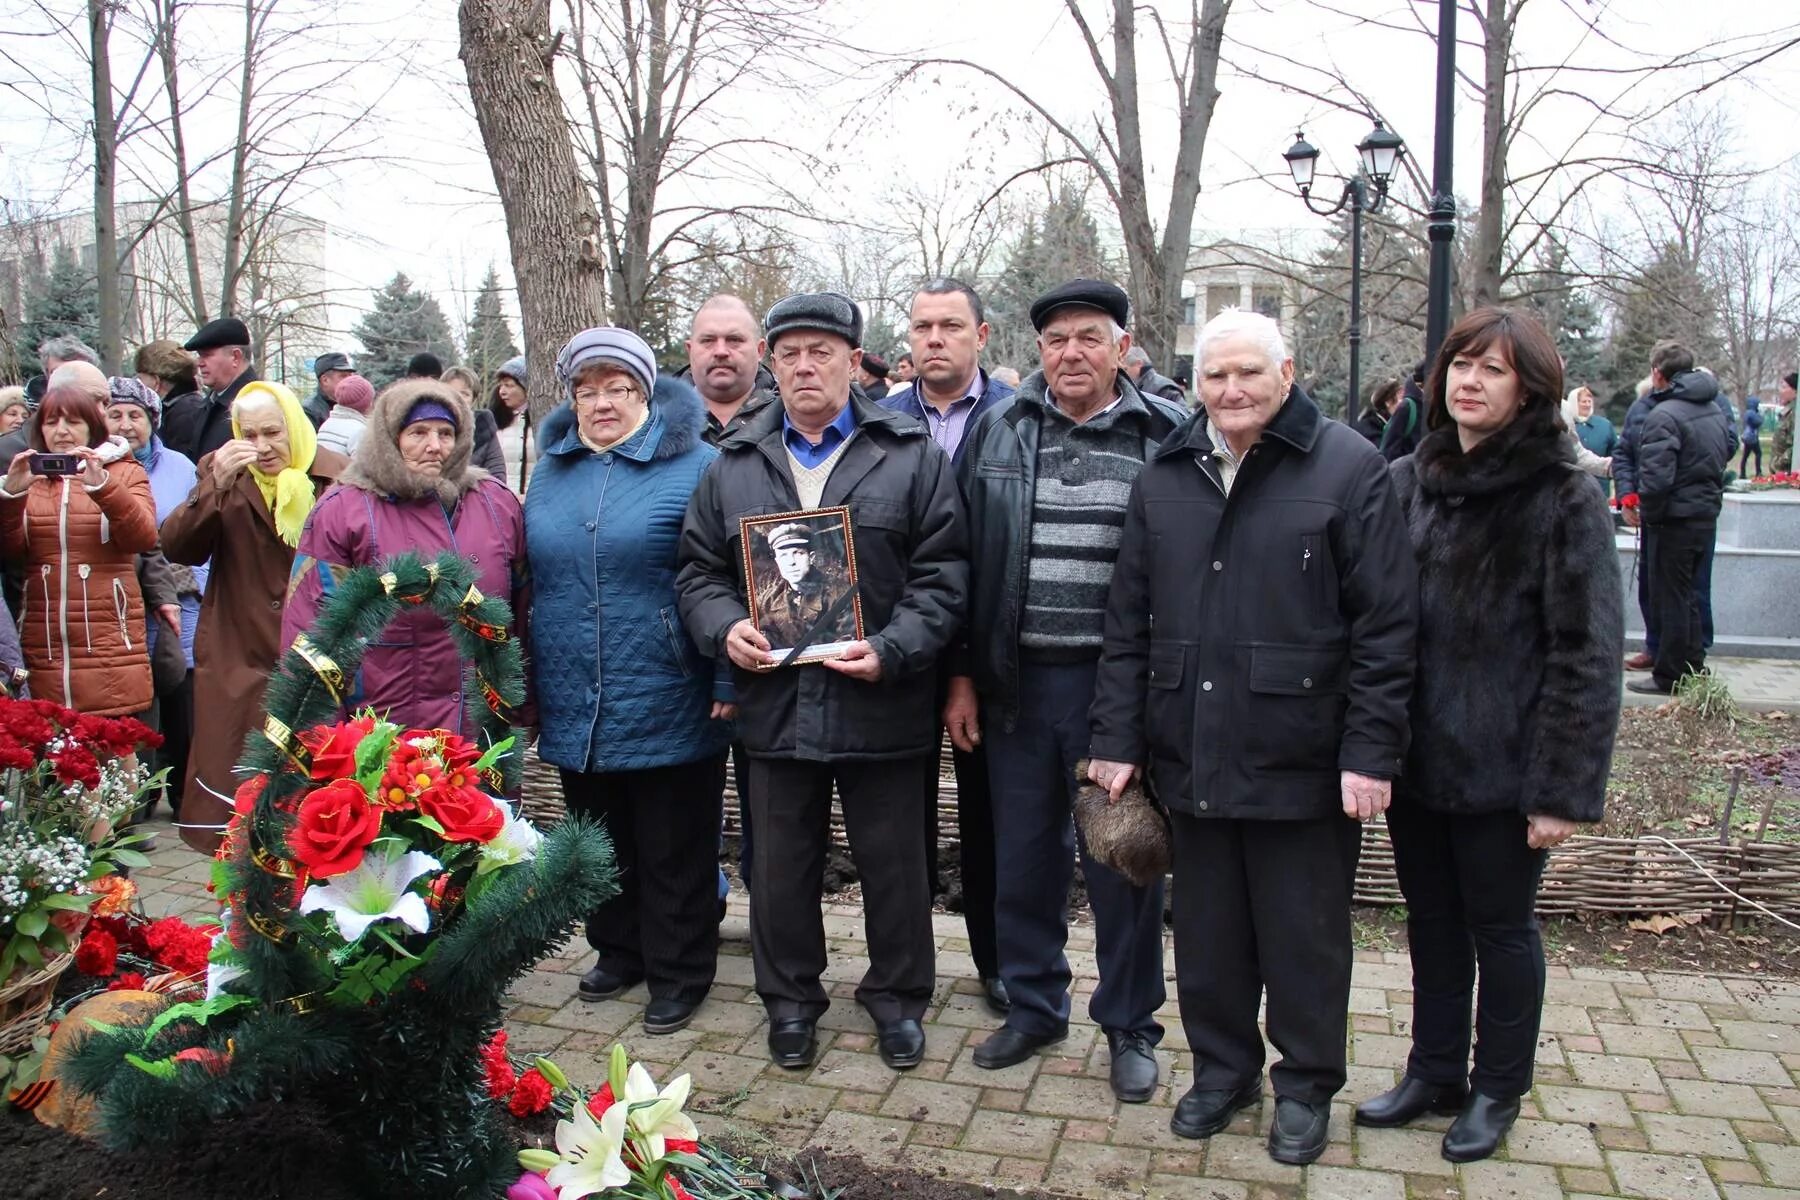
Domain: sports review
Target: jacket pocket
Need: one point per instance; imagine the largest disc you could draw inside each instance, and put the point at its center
(1167, 706)
(677, 643)
(1294, 719)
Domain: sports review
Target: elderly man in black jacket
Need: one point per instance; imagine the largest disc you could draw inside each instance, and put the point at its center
(1683, 451)
(864, 721)
(1259, 660)
(1045, 479)
(195, 424)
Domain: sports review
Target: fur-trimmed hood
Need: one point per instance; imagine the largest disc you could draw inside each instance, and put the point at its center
(675, 425)
(377, 466)
(1498, 463)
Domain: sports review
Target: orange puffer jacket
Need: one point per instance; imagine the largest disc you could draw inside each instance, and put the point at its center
(83, 624)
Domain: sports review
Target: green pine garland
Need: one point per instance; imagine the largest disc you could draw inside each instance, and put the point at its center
(399, 1077)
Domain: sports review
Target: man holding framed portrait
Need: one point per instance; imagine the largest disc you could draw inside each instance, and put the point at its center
(824, 555)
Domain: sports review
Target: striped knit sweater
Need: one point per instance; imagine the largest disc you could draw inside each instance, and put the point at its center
(1084, 478)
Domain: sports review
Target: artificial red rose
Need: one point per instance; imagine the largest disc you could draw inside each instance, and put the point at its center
(530, 1095)
(334, 747)
(129, 981)
(335, 825)
(600, 1101)
(466, 814)
(98, 954)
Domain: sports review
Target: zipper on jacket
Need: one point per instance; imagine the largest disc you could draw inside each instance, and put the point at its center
(87, 607)
(122, 606)
(62, 614)
(49, 638)
(1305, 557)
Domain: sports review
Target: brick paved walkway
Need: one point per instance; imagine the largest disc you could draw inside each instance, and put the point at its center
(1666, 1086)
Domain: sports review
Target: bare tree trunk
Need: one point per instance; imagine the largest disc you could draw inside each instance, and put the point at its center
(106, 148)
(240, 154)
(184, 205)
(1490, 218)
(550, 221)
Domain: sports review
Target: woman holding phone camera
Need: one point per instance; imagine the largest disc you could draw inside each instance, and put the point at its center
(76, 510)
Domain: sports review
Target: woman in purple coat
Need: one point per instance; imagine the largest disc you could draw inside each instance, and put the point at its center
(410, 487)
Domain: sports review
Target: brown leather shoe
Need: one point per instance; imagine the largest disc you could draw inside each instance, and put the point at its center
(1639, 662)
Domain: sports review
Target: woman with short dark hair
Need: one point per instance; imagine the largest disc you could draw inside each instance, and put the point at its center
(1514, 709)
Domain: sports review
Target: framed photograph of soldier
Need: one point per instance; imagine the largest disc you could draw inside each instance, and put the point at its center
(800, 578)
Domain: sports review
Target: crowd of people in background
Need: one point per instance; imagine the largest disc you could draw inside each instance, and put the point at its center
(1281, 625)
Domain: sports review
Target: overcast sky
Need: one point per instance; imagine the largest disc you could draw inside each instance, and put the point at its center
(427, 205)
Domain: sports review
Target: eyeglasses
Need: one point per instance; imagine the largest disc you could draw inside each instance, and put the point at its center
(618, 393)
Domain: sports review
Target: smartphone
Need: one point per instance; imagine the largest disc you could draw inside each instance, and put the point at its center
(55, 464)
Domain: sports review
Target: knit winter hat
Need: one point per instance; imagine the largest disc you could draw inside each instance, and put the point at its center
(353, 391)
(430, 408)
(124, 389)
(611, 345)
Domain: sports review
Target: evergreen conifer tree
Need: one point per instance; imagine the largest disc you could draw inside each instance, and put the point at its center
(67, 302)
(490, 340)
(1057, 245)
(402, 323)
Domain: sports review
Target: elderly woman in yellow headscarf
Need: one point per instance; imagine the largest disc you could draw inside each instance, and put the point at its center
(245, 514)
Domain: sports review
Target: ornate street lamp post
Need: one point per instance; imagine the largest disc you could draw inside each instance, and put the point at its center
(1366, 191)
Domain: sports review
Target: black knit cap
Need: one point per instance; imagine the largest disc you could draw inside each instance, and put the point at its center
(875, 365)
(1108, 298)
(827, 312)
(226, 331)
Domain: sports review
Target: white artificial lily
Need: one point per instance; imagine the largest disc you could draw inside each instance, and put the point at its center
(655, 1122)
(592, 1158)
(516, 842)
(375, 891)
(221, 963)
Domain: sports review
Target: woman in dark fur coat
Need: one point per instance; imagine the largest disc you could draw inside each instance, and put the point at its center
(1514, 711)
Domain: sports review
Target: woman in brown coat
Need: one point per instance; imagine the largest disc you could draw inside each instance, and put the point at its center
(245, 515)
(78, 537)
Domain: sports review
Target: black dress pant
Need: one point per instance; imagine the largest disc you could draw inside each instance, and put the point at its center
(975, 835)
(791, 803)
(176, 713)
(740, 775)
(1265, 905)
(1678, 550)
(664, 923)
(1470, 883)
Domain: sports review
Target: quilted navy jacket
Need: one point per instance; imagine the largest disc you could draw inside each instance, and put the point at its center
(620, 686)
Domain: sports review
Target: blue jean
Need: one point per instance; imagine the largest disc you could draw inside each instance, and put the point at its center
(1032, 773)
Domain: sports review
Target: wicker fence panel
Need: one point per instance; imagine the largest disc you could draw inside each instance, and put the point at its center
(1615, 876)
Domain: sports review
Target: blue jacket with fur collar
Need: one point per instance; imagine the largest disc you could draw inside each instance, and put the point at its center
(619, 684)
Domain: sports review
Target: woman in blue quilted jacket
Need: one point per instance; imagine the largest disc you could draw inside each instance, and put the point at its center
(635, 718)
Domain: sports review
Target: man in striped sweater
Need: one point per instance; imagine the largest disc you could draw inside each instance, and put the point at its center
(1045, 480)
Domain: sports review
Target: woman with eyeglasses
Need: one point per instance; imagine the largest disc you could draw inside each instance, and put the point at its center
(634, 717)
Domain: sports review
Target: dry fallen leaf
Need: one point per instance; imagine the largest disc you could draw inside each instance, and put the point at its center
(1661, 923)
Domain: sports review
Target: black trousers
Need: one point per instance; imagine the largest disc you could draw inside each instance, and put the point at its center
(175, 710)
(1751, 447)
(975, 834)
(1471, 884)
(791, 801)
(664, 822)
(1678, 549)
(740, 775)
(1265, 905)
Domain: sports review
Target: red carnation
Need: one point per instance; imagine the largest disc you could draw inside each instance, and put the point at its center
(530, 1095)
(675, 1188)
(600, 1101)
(334, 828)
(496, 1067)
(98, 954)
(129, 981)
(681, 1146)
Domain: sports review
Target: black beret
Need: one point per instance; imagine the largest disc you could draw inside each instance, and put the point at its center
(829, 312)
(333, 360)
(1109, 298)
(875, 365)
(226, 331)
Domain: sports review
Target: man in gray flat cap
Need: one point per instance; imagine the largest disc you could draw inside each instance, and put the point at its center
(196, 425)
(1046, 479)
(863, 721)
(330, 369)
